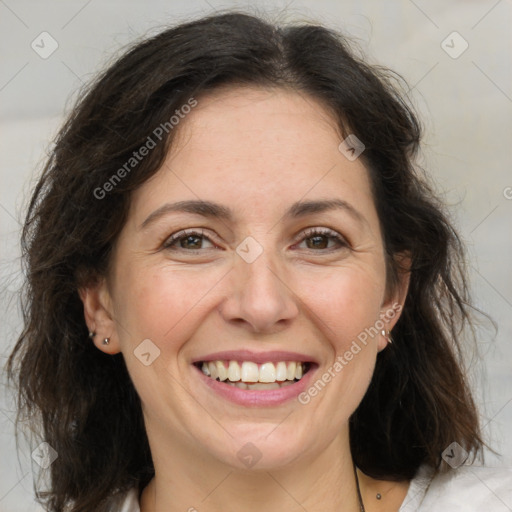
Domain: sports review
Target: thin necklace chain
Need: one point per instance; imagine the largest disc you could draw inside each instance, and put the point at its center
(361, 504)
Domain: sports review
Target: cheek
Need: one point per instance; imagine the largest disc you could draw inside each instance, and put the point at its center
(160, 302)
(164, 305)
(347, 307)
(347, 301)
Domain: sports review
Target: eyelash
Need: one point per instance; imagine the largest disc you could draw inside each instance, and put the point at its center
(308, 233)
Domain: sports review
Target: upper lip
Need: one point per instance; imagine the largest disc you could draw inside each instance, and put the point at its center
(273, 356)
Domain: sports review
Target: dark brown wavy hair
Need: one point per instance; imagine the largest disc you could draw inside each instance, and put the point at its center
(82, 401)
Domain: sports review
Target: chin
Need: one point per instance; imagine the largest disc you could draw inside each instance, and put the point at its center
(260, 448)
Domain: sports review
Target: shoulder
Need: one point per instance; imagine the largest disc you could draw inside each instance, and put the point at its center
(467, 488)
(128, 502)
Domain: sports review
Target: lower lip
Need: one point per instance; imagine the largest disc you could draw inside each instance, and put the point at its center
(257, 397)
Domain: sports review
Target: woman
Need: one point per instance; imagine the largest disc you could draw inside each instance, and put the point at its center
(304, 351)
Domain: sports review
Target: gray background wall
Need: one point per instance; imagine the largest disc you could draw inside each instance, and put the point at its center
(465, 101)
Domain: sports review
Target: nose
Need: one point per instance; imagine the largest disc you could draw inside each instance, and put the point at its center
(258, 296)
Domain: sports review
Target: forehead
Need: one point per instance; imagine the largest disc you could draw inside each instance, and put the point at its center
(249, 120)
(258, 147)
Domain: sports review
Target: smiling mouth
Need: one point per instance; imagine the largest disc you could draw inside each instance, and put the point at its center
(252, 376)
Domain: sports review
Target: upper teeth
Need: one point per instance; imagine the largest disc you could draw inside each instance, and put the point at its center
(252, 372)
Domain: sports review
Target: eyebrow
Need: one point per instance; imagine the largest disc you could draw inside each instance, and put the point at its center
(217, 211)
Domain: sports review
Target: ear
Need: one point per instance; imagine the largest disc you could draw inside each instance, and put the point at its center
(98, 315)
(393, 305)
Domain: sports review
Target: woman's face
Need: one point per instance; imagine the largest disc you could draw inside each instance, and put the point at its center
(271, 270)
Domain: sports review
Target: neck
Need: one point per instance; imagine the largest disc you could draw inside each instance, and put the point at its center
(189, 481)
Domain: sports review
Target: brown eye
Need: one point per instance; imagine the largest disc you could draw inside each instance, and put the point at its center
(319, 239)
(186, 240)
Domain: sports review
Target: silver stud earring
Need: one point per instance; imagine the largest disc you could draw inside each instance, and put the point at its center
(106, 341)
(92, 334)
(387, 335)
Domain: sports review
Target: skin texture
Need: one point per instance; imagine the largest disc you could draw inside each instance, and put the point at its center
(257, 152)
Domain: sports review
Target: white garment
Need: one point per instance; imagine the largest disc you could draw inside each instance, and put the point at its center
(466, 489)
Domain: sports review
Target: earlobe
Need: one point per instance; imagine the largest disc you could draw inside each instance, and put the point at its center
(98, 316)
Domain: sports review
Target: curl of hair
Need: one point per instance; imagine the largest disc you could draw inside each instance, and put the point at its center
(83, 401)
